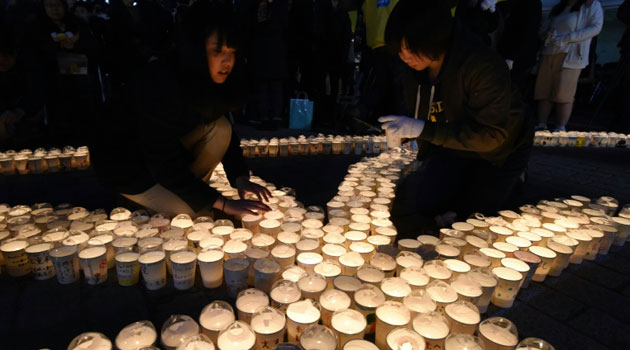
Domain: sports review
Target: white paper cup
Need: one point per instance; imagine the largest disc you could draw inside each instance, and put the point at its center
(509, 282)
(348, 325)
(269, 324)
(390, 315)
(94, 264)
(41, 265)
(300, 315)
(547, 257)
(266, 273)
(433, 327)
(215, 317)
(211, 267)
(235, 272)
(66, 264)
(15, 257)
(184, 264)
(463, 317)
(127, 268)
(153, 268)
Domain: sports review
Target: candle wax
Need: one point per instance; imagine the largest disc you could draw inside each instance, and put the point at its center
(216, 319)
(250, 302)
(303, 312)
(177, 332)
(268, 323)
(463, 313)
(498, 334)
(349, 322)
(135, 337)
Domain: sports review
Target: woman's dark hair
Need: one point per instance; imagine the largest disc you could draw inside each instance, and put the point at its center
(424, 25)
(556, 10)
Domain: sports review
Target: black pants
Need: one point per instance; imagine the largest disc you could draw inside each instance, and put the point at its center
(449, 182)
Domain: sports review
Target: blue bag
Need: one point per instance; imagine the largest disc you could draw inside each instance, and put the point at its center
(301, 112)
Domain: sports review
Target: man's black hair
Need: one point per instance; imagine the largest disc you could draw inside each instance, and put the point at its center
(424, 25)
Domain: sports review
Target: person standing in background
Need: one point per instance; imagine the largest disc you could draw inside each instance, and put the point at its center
(567, 34)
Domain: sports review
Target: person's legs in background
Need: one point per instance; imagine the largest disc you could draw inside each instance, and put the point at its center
(564, 94)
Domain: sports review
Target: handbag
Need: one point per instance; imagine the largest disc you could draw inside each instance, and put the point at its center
(301, 112)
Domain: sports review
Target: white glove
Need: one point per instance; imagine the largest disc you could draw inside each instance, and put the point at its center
(488, 5)
(402, 127)
(510, 63)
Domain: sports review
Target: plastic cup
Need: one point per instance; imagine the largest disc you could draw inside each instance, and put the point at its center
(39, 258)
(509, 282)
(153, 268)
(127, 268)
(94, 264)
(66, 263)
(211, 267)
(184, 264)
(15, 257)
(235, 272)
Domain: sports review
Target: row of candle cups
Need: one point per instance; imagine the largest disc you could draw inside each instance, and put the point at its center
(314, 146)
(40, 161)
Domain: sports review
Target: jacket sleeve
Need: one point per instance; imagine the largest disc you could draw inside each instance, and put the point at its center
(233, 161)
(485, 126)
(164, 155)
(594, 24)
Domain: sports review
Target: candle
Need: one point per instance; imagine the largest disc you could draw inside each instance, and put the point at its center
(136, 335)
(463, 317)
(248, 301)
(357, 344)
(407, 259)
(509, 282)
(623, 230)
(177, 329)
(331, 301)
(170, 246)
(609, 237)
(379, 240)
(405, 339)
(390, 315)
(235, 272)
(39, 258)
(370, 274)
(498, 333)
(533, 344)
(463, 342)
(395, 288)
(316, 337)
(437, 270)
(333, 251)
(477, 259)
(547, 257)
(348, 325)
(287, 237)
(488, 283)
(195, 237)
(457, 267)
(270, 227)
(300, 315)
(308, 245)
(90, 341)
(242, 234)
(284, 255)
(309, 260)
(211, 267)
(409, 245)
(517, 265)
(365, 249)
(237, 336)
(442, 293)
(429, 240)
(147, 244)
(293, 273)
(283, 293)
(596, 238)
(223, 231)
(563, 253)
(584, 241)
(329, 269)
(153, 268)
(347, 284)
(433, 327)
(267, 272)
(196, 342)
(385, 263)
(530, 236)
(120, 214)
(467, 288)
(251, 222)
(127, 268)
(354, 236)
(120, 245)
(494, 255)
(215, 317)
(66, 264)
(234, 249)
(350, 262)
(419, 302)
(519, 242)
(94, 264)
(269, 325)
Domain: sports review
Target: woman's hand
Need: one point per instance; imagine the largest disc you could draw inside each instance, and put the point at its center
(239, 208)
(245, 186)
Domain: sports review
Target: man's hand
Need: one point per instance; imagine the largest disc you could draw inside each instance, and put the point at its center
(240, 207)
(245, 186)
(402, 127)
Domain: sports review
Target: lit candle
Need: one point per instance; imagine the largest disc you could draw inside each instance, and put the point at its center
(385, 263)
(433, 327)
(215, 317)
(293, 273)
(127, 268)
(251, 221)
(477, 259)
(498, 333)
(329, 269)
(350, 262)
(153, 268)
(242, 234)
(283, 293)
(235, 272)
(284, 255)
(390, 315)
(39, 258)
(408, 245)
(370, 274)
(300, 315)
(211, 267)
(584, 241)
(94, 264)
(457, 267)
(365, 249)
(419, 302)
(563, 253)
(379, 240)
(509, 282)
(347, 284)
(354, 236)
(309, 260)
(196, 342)
(407, 259)
(316, 337)
(269, 325)
(136, 336)
(308, 245)
(248, 301)
(348, 325)
(90, 341)
(312, 286)
(267, 272)
(120, 245)
(66, 264)
(415, 276)
(288, 237)
(395, 288)
(623, 230)
(405, 339)
(170, 246)
(223, 231)
(331, 301)
(442, 293)
(177, 329)
(195, 237)
(437, 270)
(359, 345)
(494, 255)
(467, 288)
(237, 336)
(463, 317)
(270, 227)
(463, 342)
(184, 266)
(547, 257)
(333, 251)
(596, 238)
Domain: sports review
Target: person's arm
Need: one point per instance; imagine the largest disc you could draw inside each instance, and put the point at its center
(593, 26)
(485, 127)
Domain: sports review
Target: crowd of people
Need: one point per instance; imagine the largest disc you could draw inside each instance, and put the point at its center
(61, 61)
